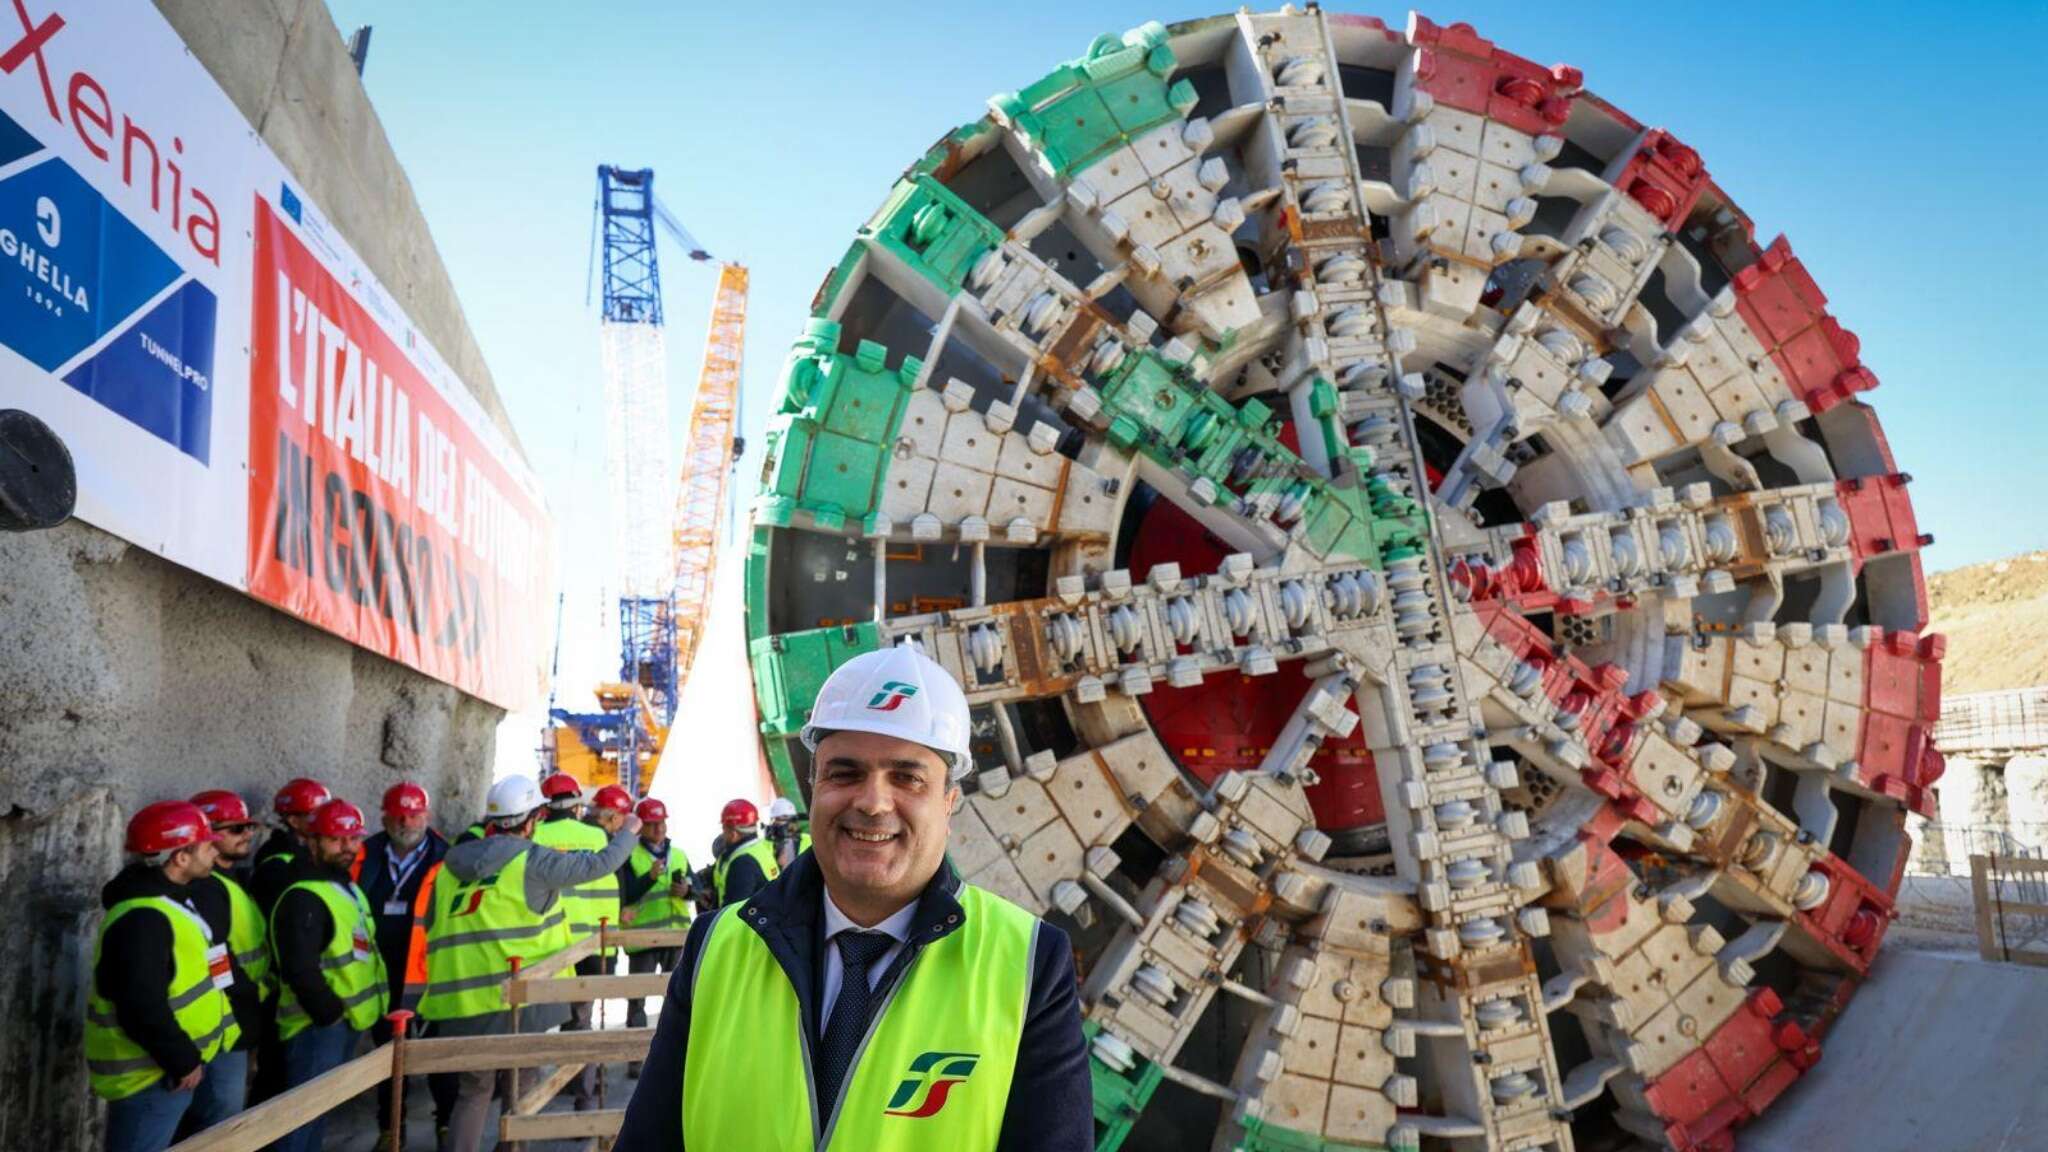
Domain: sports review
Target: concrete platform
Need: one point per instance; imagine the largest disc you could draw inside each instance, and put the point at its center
(1939, 1052)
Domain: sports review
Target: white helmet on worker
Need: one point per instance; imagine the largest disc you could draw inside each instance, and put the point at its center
(781, 808)
(512, 800)
(897, 692)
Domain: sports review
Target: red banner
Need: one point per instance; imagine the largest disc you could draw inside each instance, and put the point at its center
(375, 510)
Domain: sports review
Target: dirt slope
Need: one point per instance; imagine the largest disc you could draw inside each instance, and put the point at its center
(1995, 616)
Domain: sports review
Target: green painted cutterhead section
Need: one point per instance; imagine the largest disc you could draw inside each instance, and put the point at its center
(1120, 1097)
(833, 424)
(1086, 108)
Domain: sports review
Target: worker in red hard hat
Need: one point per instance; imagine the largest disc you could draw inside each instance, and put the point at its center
(654, 893)
(294, 804)
(563, 793)
(610, 806)
(231, 915)
(743, 863)
(332, 984)
(158, 1014)
(394, 866)
(235, 826)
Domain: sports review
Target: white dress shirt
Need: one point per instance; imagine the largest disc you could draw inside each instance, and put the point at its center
(897, 926)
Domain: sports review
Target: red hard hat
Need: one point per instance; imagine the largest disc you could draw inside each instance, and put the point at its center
(560, 786)
(615, 798)
(168, 825)
(405, 799)
(299, 797)
(337, 819)
(652, 810)
(739, 814)
(223, 808)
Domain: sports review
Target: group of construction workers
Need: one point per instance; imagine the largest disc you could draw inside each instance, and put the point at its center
(852, 992)
(214, 950)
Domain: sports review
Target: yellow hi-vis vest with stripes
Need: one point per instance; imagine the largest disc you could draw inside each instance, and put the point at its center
(656, 908)
(593, 901)
(117, 1065)
(934, 1070)
(248, 937)
(350, 964)
(762, 853)
(475, 931)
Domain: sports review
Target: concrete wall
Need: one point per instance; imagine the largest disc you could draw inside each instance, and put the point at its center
(126, 679)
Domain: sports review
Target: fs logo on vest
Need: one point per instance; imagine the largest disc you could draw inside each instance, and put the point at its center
(935, 1073)
(892, 696)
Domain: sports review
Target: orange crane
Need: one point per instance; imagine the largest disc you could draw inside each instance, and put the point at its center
(709, 455)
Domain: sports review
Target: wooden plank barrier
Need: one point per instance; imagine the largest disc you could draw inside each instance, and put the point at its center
(257, 1127)
(525, 1050)
(565, 1052)
(266, 1122)
(561, 1125)
(1997, 916)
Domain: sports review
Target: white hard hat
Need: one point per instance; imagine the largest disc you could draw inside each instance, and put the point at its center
(897, 692)
(781, 808)
(514, 796)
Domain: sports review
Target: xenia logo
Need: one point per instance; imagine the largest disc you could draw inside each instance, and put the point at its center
(892, 696)
(935, 1073)
(112, 138)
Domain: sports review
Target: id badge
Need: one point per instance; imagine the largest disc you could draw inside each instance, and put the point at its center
(219, 967)
(361, 945)
(397, 908)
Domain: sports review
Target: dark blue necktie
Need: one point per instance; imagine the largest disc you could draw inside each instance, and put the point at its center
(858, 952)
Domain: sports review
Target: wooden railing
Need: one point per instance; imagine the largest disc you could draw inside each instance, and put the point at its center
(2011, 899)
(566, 1053)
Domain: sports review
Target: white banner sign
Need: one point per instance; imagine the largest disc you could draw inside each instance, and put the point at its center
(238, 392)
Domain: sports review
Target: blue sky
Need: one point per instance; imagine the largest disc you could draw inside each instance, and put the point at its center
(1898, 148)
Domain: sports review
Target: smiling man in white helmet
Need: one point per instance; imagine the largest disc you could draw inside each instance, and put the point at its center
(881, 1002)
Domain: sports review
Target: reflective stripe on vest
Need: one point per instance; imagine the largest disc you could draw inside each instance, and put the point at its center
(593, 900)
(934, 1070)
(656, 908)
(247, 938)
(762, 853)
(117, 1065)
(416, 941)
(350, 964)
(475, 931)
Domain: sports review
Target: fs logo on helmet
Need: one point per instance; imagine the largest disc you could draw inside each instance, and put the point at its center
(934, 1073)
(892, 696)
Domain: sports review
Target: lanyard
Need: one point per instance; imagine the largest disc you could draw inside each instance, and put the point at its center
(412, 862)
(355, 896)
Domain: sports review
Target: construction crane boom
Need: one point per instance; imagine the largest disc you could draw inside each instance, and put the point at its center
(708, 459)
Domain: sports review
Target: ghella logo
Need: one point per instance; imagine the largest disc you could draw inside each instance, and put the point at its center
(892, 696)
(932, 1076)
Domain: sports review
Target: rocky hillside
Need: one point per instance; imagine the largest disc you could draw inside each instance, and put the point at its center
(1995, 616)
